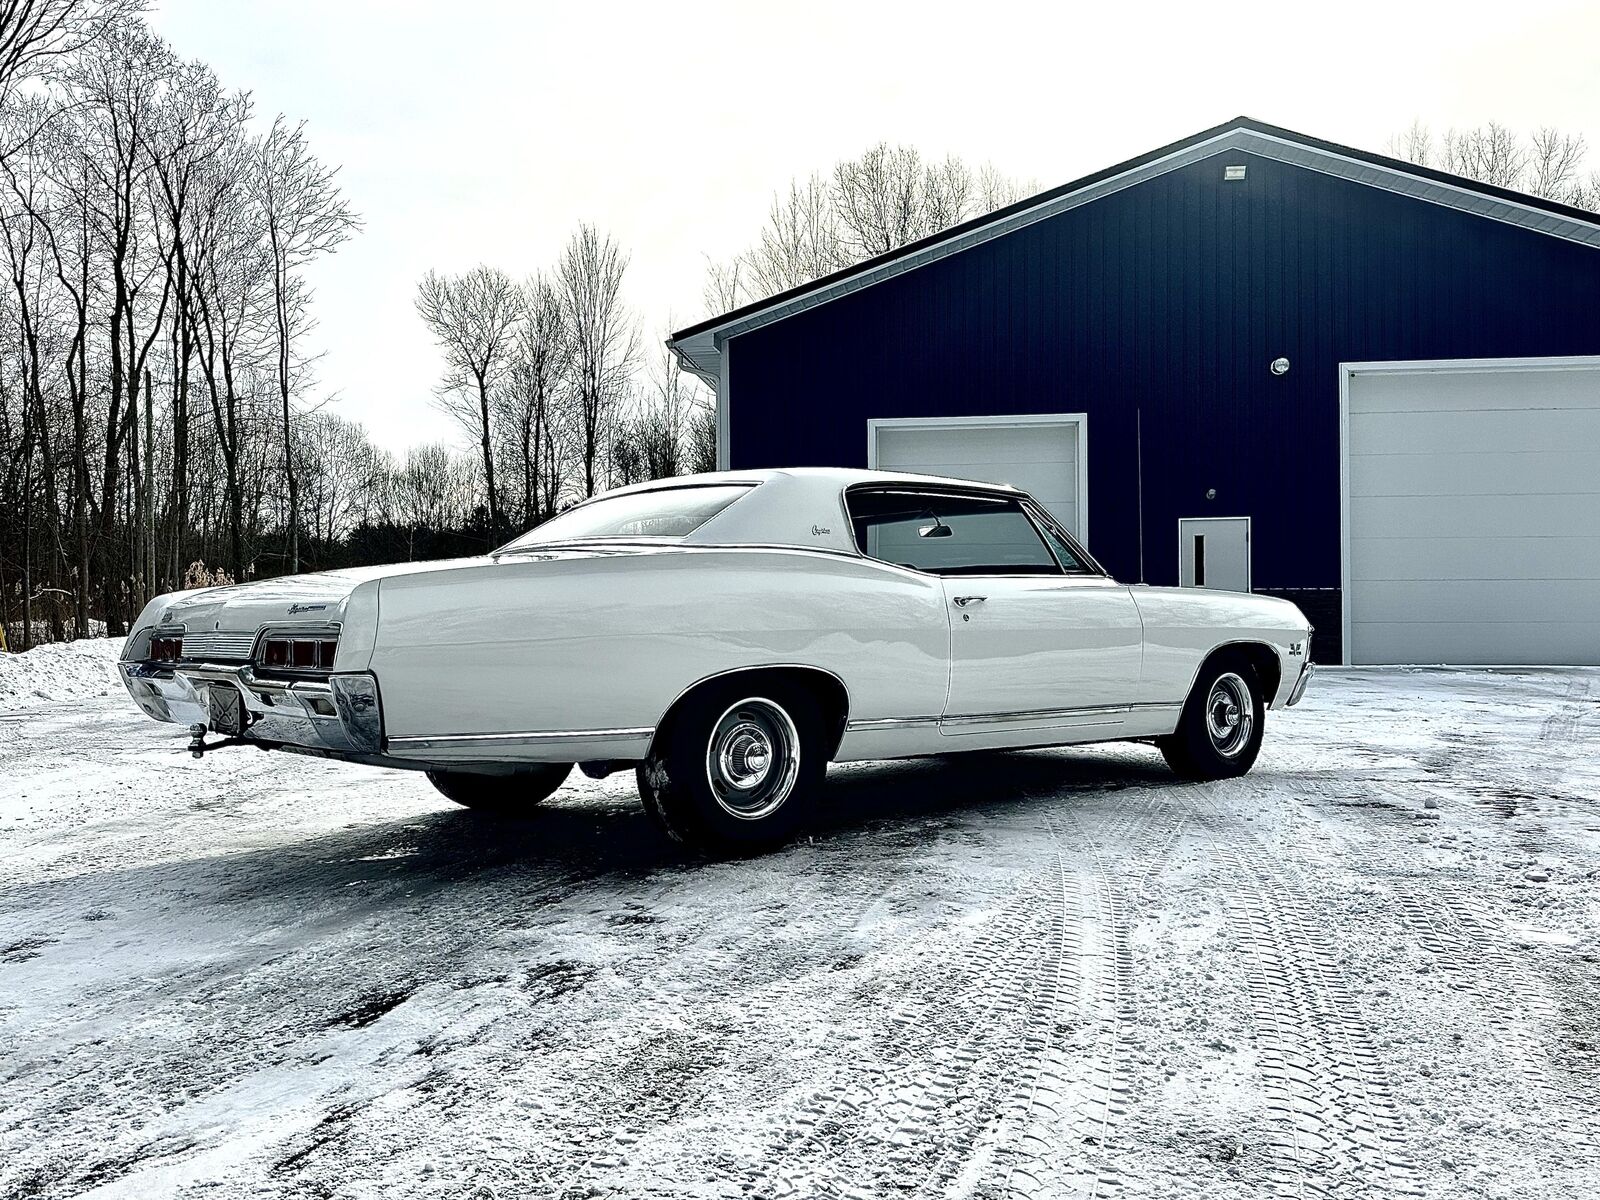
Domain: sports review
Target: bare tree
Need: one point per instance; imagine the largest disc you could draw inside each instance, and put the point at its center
(801, 240)
(230, 316)
(604, 337)
(1414, 144)
(194, 124)
(36, 34)
(531, 400)
(474, 317)
(879, 199)
(725, 288)
(115, 83)
(1548, 163)
(653, 441)
(1554, 160)
(865, 206)
(305, 216)
(1491, 153)
(995, 189)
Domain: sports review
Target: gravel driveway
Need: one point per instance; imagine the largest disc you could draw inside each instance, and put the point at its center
(1367, 969)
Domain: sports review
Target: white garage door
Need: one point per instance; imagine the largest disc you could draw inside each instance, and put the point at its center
(1041, 455)
(1473, 517)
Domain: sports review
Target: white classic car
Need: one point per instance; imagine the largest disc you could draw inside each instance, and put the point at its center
(731, 635)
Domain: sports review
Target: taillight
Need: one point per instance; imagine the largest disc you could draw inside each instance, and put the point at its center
(166, 649)
(286, 652)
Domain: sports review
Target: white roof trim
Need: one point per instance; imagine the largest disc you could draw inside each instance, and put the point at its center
(702, 352)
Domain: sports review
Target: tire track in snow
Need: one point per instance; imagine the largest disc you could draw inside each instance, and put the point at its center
(991, 986)
(1336, 1129)
(1065, 1123)
(929, 1134)
(1471, 944)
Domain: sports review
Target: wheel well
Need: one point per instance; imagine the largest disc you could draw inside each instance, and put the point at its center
(827, 689)
(1258, 656)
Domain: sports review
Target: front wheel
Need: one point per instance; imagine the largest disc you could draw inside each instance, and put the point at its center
(737, 769)
(1219, 734)
(503, 795)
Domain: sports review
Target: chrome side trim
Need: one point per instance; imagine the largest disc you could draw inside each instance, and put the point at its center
(884, 724)
(889, 723)
(536, 737)
(1049, 714)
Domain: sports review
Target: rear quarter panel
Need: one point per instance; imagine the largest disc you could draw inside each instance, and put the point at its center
(610, 641)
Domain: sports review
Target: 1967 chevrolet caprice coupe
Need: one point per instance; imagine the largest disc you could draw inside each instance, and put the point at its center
(730, 634)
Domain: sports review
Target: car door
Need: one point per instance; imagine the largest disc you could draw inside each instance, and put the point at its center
(1040, 639)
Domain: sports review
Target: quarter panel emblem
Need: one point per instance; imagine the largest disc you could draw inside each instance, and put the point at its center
(820, 530)
(300, 608)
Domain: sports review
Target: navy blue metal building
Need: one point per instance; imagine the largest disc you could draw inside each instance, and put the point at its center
(1232, 327)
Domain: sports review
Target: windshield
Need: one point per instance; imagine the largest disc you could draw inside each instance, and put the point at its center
(664, 513)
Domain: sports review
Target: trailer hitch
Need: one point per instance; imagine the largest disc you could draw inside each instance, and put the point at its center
(198, 744)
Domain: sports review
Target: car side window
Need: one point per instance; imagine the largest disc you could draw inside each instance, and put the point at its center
(946, 533)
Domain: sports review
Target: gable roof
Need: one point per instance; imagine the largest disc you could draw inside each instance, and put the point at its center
(699, 347)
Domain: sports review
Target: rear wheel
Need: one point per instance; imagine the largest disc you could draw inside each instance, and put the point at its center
(1219, 734)
(737, 769)
(505, 795)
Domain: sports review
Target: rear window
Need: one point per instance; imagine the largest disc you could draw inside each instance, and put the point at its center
(664, 513)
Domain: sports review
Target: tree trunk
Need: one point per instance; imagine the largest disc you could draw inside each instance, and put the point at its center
(488, 460)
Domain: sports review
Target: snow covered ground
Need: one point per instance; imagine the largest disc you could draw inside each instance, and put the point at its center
(1367, 969)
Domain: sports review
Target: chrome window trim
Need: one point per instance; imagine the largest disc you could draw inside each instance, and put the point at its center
(1036, 511)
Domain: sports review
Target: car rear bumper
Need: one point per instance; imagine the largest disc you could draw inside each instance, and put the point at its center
(341, 714)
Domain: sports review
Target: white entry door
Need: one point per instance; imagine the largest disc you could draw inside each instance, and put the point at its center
(1214, 552)
(1042, 455)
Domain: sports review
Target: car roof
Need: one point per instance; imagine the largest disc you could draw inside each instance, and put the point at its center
(788, 506)
(799, 506)
(814, 479)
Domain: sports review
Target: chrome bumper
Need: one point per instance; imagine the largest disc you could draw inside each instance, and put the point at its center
(341, 715)
(1306, 672)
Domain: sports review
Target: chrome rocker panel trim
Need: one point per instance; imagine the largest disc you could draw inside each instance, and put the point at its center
(554, 745)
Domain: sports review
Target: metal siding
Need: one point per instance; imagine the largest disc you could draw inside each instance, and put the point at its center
(1173, 297)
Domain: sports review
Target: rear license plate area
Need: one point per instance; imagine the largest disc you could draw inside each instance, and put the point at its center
(226, 705)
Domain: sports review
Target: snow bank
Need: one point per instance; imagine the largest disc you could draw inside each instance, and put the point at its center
(60, 672)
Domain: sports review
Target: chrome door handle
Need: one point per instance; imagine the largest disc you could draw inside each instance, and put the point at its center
(963, 601)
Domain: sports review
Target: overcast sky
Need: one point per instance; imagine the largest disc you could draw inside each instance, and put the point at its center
(484, 130)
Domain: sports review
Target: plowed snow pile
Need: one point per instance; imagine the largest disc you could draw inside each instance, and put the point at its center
(59, 673)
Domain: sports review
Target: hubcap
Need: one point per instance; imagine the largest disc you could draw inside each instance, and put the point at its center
(1230, 715)
(753, 759)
